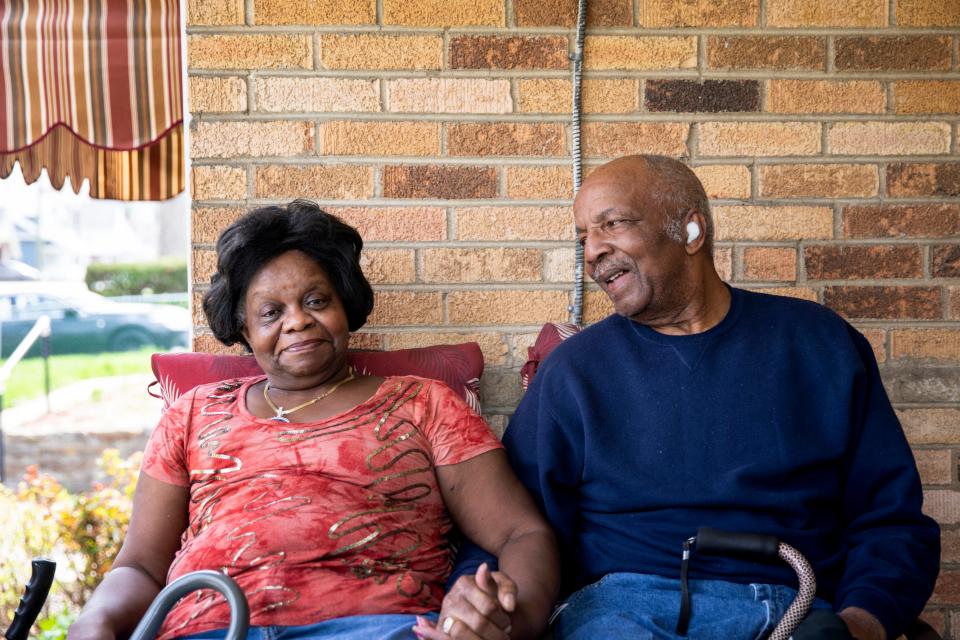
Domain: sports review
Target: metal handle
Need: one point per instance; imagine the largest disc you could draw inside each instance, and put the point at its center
(33, 598)
(161, 605)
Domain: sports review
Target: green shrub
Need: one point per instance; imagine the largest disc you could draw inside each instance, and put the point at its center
(162, 276)
(82, 532)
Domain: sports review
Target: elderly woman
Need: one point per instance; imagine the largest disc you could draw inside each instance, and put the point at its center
(325, 493)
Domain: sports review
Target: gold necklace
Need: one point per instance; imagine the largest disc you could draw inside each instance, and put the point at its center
(281, 412)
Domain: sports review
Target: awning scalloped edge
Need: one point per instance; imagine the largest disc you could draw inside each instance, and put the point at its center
(152, 172)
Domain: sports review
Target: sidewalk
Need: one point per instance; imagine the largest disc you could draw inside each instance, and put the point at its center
(85, 418)
(119, 403)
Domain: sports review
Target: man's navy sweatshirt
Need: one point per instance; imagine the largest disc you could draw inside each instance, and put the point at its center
(775, 421)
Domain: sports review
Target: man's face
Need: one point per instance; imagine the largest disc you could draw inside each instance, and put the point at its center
(626, 250)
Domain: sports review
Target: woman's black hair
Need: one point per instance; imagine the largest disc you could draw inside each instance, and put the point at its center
(263, 234)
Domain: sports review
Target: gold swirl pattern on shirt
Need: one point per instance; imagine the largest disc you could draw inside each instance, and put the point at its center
(383, 460)
(385, 498)
(206, 491)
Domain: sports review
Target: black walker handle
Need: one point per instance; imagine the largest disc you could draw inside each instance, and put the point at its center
(239, 609)
(750, 546)
(41, 578)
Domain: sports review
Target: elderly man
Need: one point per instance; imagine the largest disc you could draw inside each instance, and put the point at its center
(698, 404)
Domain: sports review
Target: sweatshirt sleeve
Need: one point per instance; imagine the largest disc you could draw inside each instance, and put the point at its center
(892, 548)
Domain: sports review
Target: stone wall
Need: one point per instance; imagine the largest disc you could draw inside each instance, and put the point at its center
(824, 130)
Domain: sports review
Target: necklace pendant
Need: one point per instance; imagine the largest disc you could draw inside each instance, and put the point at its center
(280, 417)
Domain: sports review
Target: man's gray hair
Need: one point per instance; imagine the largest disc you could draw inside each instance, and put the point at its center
(678, 191)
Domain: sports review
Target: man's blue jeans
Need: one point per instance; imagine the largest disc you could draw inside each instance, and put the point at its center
(637, 606)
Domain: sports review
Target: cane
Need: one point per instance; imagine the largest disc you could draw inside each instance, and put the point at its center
(750, 546)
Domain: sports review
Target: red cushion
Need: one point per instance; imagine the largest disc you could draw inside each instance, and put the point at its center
(552, 334)
(459, 365)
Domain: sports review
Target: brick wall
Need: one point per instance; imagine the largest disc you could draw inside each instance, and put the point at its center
(825, 132)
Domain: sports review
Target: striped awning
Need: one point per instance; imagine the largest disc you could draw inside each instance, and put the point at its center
(92, 89)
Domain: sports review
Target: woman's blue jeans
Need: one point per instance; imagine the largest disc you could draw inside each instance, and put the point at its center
(635, 606)
(382, 627)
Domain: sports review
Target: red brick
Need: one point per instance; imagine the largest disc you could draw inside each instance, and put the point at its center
(548, 182)
(818, 180)
(748, 222)
(808, 14)
(704, 96)
(206, 343)
(935, 465)
(724, 180)
(926, 344)
(907, 179)
(378, 51)
(491, 344)
(908, 220)
(444, 13)
(758, 138)
(449, 95)
(699, 13)
(353, 138)
(250, 138)
(596, 306)
(389, 266)
(769, 263)
(723, 262)
(885, 303)
(363, 340)
(314, 181)
(508, 52)
(888, 138)
(947, 590)
(514, 223)
(766, 52)
(825, 96)
(923, 13)
(314, 12)
(926, 96)
(892, 53)
(856, 262)
(563, 13)
(878, 342)
(950, 545)
(614, 139)
(954, 304)
(481, 265)
(945, 261)
(801, 293)
(505, 139)
(442, 182)
(406, 308)
(930, 426)
(208, 222)
(506, 307)
(639, 52)
(395, 224)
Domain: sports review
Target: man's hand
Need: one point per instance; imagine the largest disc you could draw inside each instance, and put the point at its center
(862, 624)
(477, 607)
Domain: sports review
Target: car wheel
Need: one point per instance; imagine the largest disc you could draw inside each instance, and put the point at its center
(129, 340)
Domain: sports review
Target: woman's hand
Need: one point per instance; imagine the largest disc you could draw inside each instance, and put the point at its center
(475, 607)
(494, 510)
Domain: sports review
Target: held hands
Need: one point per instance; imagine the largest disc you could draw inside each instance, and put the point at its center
(477, 607)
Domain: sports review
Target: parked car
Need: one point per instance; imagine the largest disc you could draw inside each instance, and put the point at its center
(83, 321)
(16, 270)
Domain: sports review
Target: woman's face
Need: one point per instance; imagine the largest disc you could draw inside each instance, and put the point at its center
(294, 321)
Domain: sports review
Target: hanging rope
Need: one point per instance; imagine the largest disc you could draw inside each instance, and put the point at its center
(576, 310)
